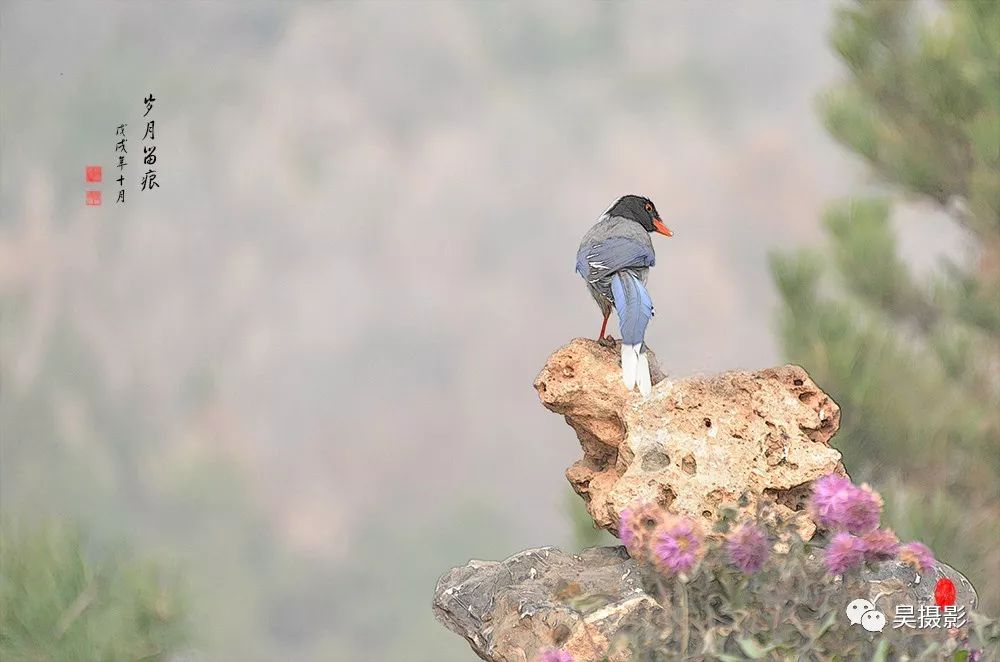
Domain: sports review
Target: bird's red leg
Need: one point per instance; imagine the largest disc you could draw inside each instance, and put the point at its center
(604, 326)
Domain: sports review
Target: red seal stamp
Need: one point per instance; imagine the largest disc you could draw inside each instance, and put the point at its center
(944, 592)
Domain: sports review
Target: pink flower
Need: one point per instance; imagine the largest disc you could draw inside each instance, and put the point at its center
(918, 555)
(554, 655)
(880, 545)
(676, 545)
(748, 548)
(626, 531)
(844, 552)
(840, 505)
(635, 527)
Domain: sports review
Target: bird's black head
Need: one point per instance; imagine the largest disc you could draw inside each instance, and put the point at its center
(642, 211)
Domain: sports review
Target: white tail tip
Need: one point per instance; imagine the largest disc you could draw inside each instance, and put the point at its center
(630, 364)
(642, 377)
(635, 369)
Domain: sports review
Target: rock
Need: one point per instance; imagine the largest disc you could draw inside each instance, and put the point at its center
(544, 597)
(893, 583)
(695, 443)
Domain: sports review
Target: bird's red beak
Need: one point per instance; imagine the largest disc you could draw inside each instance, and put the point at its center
(661, 228)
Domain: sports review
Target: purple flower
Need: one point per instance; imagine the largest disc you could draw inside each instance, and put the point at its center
(748, 548)
(676, 545)
(827, 495)
(626, 532)
(840, 505)
(554, 655)
(862, 511)
(636, 524)
(880, 545)
(918, 555)
(844, 552)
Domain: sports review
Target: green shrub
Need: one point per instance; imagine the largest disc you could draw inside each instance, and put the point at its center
(751, 588)
(60, 600)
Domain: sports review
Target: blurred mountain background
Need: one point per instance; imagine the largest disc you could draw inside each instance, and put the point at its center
(298, 375)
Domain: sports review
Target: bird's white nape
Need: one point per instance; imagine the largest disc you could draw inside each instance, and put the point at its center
(612, 206)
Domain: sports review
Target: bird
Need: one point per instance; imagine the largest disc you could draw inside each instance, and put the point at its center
(614, 260)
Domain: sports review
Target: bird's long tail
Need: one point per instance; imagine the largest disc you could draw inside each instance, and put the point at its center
(635, 309)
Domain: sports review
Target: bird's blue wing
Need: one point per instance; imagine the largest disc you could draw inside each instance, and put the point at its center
(581, 261)
(633, 305)
(597, 261)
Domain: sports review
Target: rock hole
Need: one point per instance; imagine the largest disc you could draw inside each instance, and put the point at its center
(541, 387)
(807, 397)
(795, 498)
(655, 460)
(708, 422)
(688, 465)
(707, 514)
(600, 457)
(798, 382)
(666, 499)
(568, 371)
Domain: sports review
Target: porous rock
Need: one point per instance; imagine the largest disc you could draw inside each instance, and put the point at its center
(695, 443)
(540, 598)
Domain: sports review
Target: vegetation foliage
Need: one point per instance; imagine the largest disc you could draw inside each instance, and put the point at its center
(791, 609)
(752, 588)
(913, 361)
(60, 600)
